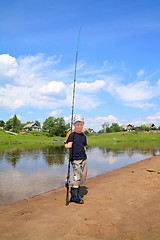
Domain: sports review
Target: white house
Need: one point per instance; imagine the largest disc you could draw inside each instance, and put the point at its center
(127, 127)
(149, 125)
(32, 126)
(90, 130)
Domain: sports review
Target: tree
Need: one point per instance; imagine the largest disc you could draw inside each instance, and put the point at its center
(48, 124)
(115, 127)
(105, 126)
(55, 126)
(2, 123)
(28, 122)
(14, 124)
(142, 128)
(9, 124)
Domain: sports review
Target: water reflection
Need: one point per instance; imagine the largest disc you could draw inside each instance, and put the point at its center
(33, 169)
(13, 156)
(30, 170)
(105, 159)
(53, 155)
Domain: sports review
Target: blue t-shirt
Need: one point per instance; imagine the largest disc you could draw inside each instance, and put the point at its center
(77, 152)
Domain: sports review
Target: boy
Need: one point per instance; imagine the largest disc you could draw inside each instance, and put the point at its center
(77, 142)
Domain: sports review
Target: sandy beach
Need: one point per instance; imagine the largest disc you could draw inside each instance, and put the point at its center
(122, 204)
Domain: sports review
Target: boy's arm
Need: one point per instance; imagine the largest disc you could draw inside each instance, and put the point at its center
(68, 143)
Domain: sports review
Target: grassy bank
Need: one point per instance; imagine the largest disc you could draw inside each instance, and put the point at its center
(148, 142)
(122, 137)
(29, 138)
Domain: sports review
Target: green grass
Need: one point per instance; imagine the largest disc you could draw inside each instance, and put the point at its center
(124, 137)
(102, 139)
(126, 141)
(29, 138)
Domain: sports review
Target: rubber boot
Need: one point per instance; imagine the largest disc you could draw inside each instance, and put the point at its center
(75, 197)
(78, 193)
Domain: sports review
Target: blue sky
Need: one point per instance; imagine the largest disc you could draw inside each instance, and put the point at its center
(118, 72)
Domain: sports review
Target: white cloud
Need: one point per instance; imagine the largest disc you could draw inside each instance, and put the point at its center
(135, 94)
(7, 61)
(12, 97)
(142, 105)
(96, 123)
(18, 103)
(8, 68)
(90, 87)
(109, 119)
(34, 69)
(24, 87)
(138, 122)
(140, 73)
(34, 81)
(155, 118)
(53, 87)
(67, 119)
(86, 102)
(150, 119)
(54, 113)
(137, 91)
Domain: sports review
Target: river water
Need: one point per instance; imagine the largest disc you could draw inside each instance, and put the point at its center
(26, 171)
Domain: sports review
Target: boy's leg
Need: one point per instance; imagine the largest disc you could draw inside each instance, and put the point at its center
(79, 174)
(83, 171)
(76, 173)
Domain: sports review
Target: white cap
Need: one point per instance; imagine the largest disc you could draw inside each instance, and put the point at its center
(78, 118)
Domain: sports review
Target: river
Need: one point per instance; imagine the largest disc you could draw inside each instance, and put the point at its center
(28, 170)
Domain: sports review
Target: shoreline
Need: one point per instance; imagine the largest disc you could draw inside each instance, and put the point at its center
(58, 188)
(121, 204)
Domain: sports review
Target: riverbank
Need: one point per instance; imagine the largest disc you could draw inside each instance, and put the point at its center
(93, 139)
(122, 204)
(28, 138)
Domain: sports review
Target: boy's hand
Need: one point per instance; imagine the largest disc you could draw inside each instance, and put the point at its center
(69, 145)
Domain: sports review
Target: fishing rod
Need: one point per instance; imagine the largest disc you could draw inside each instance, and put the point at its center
(74, 89)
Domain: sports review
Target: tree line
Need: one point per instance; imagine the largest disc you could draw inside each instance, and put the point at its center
(116, 128)
(51, 126)
(57, 126)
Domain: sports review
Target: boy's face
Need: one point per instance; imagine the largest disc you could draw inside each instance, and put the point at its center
(78, 126)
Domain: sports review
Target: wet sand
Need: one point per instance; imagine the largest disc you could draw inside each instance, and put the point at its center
(122, 204)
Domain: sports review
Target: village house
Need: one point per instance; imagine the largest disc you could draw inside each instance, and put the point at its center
(90, 130)
(32, 127)
(127, 127)
(149, 125)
